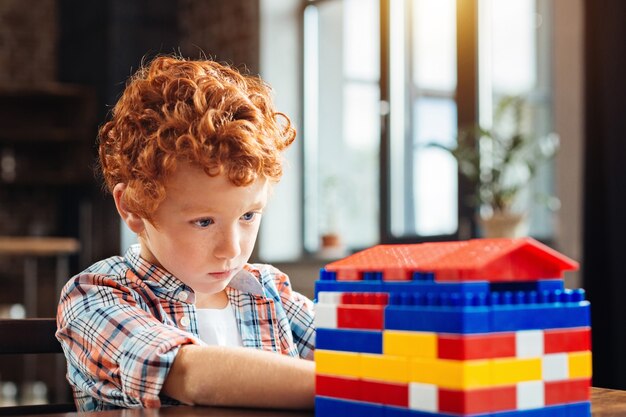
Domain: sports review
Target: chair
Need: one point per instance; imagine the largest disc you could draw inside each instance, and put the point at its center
(30, 336)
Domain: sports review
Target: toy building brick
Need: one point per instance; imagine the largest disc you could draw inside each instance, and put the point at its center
(475, 328)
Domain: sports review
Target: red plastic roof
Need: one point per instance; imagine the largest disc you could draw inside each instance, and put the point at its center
(521, 259)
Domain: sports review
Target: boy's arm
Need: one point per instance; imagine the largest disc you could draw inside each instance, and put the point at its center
(229, 376)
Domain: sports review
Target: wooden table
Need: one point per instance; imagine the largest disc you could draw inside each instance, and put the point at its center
(604, 403)
(608, 403)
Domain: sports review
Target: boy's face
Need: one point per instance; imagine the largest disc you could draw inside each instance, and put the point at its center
(204, 231)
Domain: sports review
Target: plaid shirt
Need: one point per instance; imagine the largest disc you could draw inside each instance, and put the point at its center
(122, 321)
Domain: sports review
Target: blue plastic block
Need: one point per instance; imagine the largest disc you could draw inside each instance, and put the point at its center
(539, 285)
(364, 341)
(438, 312)
(482, 312)
(348, 286)
(372, 276)
(536, 297)
(332, 407)
(423, 276)
(407, 412)
(391, 411)
(582, 409)
(438, 319)
(327, 275)
(469, 320)
(540, 316)
(546, 309)
(550, 284)
(393, 287)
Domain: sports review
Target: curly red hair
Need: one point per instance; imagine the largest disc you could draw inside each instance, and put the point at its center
(200, 112)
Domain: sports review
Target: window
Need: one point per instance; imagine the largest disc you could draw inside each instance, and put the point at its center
(341, 123)
(514, 59)
(422, 86)
(369, 172)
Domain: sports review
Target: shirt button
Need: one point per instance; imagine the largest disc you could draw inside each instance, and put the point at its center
(184, 321)
(183, 295)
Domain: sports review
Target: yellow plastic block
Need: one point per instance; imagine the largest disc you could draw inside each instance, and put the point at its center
(512, 371)
(413, 344)
(385, 368)
(579, 364)
(330, 362)
(451, 374)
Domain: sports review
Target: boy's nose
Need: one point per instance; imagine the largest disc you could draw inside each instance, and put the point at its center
(227, 246)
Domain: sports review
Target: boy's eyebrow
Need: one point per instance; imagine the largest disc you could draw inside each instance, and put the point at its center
(192, 209)
(188, 208)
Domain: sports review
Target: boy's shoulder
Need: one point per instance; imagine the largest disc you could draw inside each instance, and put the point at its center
(115, 266)
(125, 271)
(105, 277)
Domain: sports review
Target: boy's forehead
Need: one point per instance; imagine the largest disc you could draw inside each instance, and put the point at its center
(193, 190)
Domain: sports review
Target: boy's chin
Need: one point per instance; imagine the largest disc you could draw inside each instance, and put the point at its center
(210, 288)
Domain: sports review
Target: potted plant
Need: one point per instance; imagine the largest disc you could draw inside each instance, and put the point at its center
(499, 163)
(331, 244)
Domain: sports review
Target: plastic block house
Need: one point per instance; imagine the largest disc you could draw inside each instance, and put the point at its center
(475, 328)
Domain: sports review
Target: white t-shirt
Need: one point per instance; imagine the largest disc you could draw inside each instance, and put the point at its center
(218, 326)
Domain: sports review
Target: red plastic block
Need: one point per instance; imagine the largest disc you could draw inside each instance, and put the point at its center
(357, 316)
(385, 393)
(568, 391)
(567, 340)
(482, 346)
(372, 298)
(493, 260)
(477, 401)
(397, 274)
(362, 390)
(330, 386)
(351, 274)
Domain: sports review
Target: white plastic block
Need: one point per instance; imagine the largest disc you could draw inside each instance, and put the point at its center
(328, 297)
(529, 343)
(325, 316)
(555, 367)
(530, 394)
(423, 397)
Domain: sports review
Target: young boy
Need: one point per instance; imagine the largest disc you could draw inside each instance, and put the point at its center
(190, 156)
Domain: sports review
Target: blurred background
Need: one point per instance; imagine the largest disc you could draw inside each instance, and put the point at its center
(385, 95)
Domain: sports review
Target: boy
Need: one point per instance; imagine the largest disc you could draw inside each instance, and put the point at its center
(190, 155)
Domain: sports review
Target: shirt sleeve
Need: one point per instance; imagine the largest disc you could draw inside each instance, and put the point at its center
(117, 351)
(300, 312)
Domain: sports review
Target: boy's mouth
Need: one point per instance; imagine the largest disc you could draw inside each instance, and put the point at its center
(221, 274)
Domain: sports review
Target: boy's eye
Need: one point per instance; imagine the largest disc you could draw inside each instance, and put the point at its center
(249, 216)
(203, 222)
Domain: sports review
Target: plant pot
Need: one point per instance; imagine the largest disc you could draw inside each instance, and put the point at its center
(504, 224)
(331, 247)
(330, 240)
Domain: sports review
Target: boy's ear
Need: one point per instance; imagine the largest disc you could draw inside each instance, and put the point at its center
(134, 222)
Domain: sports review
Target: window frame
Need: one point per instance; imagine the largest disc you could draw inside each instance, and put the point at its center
(466, 98)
